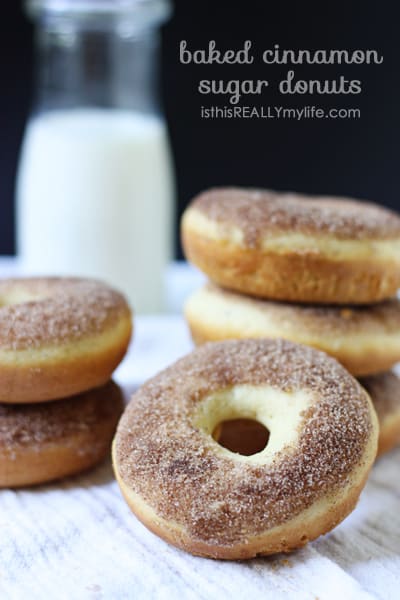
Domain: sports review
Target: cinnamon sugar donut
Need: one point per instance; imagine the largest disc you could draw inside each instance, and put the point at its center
(384, 390)
(43, 442)
(365, 339)
(203, 498)
(59, 337)
(294, 248)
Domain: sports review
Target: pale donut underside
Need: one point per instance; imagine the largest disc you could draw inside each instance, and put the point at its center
(43, 442)
(203, 498)
(294, 248)
(384, 390)
(59, 337)
(365, 339)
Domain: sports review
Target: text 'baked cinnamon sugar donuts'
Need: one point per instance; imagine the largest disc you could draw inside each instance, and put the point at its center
(43, 442)
(384, 390)
(204, 498)
(59, 337)
(294, 248)
(365, 339)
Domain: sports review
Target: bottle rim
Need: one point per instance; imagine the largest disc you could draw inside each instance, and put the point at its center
(159, 10)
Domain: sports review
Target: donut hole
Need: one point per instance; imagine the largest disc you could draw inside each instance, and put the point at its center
(242, 436)
(279, 412)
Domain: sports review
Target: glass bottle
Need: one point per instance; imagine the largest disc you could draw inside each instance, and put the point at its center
(95, 182)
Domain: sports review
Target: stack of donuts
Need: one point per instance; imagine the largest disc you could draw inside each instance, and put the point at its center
(287, 273)
(60, 341)
(320, 271)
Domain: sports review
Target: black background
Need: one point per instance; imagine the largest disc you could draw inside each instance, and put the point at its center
(349, 157)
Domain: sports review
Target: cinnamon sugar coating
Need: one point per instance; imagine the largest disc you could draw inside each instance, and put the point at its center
(58, 311)
(33, 425)
(174, 468)
(259, 212)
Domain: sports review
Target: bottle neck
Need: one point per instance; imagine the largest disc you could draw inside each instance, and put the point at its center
(96, 61)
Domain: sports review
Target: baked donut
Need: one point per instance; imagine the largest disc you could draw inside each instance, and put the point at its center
(43, 442)
(365, 339)
(59, 337)
(294, 248)
(384, 390)
(203, 498)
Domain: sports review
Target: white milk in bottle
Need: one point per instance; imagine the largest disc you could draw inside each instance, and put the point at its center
(94, 189)
(94, 198)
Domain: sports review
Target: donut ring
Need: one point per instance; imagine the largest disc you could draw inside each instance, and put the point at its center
(294, 248)
(209, 501)
(365, 339)
(43, 442)
(59, 337)
(384, 390)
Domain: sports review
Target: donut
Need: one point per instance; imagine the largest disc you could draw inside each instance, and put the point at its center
(59, 337)
(384, 390)
(48, 441)
(212, 502)
(365, 339)
(294, 248)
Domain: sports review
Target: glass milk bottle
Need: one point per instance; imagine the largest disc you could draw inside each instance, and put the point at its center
(95, 183)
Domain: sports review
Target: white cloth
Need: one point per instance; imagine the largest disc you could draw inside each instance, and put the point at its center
(78, 539)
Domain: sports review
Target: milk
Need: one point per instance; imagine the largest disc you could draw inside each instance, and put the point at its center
(94, 198)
